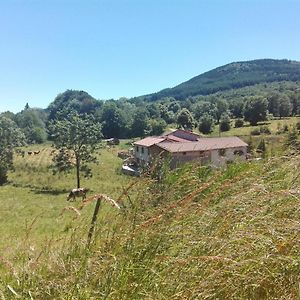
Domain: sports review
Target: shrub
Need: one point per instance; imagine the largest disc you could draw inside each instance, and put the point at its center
(255, 131)
(225, 123)
(206, 124)
(239, 123)
(285, 128)
(292, 138)
(262, 145)
(264, 129)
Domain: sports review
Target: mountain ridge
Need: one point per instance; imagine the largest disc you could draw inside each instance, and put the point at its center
(232, 75)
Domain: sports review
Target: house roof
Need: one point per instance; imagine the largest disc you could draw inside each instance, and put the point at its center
(184, 132)
(149, 141)
(173, 138)
(152, 140)
(203, 144)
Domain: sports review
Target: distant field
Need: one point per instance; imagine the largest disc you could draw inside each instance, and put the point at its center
(273, 125)
(33, 203)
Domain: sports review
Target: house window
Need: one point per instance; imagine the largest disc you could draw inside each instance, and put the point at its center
(222, 152)
(137, 148)
(183, 153)
(142, 150)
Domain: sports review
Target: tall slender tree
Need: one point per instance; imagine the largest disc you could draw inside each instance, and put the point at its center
(76, 138)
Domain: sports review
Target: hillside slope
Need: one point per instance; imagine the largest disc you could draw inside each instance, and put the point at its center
(198, 234)
(233, 75)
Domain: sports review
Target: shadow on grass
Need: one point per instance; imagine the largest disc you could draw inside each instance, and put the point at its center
(258, 124)
(50, 191)
(39, 190)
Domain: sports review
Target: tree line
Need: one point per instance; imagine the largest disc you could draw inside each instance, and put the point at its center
(75, 122)
(137, 117)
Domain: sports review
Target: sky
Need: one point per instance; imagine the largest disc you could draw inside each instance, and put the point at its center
(127, 48)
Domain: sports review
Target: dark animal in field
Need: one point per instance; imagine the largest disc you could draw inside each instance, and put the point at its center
(79, 192)
(30, 152)
(36, 152)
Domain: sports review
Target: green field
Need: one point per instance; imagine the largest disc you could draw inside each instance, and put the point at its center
(32, 204)
(273, 125)
(197, 234)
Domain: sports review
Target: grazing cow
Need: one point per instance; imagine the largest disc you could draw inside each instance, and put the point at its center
(29, 152)
(36, 152)
(79, 192)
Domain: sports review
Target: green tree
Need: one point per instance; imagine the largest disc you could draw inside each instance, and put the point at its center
(158, 126)
(30, 122)
(10, 137)
(255, 110)
(204, 107)
(224, 122)
(167, 115)
(140, 124)
(113, 121)
(236, 108)
(238, 123)
(185, 119)
(221, 108)
(76, 138)
(206, 124)
(72, 100)
(273, 103)
(153, 110)
(295, 100)
(285, 106)
(174, 106)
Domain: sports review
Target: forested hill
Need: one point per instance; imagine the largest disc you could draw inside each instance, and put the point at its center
(233, 75)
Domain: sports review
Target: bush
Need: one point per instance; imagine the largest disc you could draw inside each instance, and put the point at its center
(206, 124)
(292, 140)
(261, 130)
(255, 131)
(239, 123)
(225, 123)
(262, 148)
(264, 130)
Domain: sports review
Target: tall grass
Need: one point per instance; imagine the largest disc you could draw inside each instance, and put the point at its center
(196, 234)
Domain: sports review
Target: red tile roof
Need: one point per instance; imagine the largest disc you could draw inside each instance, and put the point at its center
(203, 144)
(185, 132)
(174, 138)
(150, 140)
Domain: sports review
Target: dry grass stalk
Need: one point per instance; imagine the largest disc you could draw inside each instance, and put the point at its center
(12, 290)
(101, 197)
(71, 208)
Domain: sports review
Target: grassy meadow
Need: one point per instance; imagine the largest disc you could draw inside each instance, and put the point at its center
(34, 202)
(197, 234)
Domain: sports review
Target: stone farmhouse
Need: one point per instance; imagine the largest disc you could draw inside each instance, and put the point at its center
(183, 146)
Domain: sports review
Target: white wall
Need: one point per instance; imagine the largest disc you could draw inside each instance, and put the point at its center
(142, 156)
(217, 160)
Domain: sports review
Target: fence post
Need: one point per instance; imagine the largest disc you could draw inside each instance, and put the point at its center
(94, 219)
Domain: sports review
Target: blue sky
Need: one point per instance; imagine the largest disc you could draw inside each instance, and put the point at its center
(115, 48)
